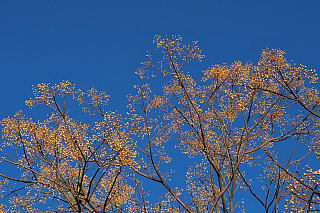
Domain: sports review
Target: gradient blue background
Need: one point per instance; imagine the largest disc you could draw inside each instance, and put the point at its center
(101, 43)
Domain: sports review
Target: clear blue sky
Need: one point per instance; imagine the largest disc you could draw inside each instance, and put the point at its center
(101, 43)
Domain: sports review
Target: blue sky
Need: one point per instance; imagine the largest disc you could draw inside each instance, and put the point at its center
(101, 43)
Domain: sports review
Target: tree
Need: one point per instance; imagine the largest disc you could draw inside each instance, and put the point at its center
(233, 125)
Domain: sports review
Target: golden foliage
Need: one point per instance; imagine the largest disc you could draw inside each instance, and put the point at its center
(234, 124)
